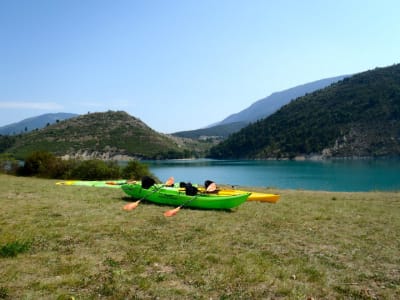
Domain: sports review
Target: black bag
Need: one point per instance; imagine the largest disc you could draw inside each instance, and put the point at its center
(182, 184)
(147, 182)
(191, 190)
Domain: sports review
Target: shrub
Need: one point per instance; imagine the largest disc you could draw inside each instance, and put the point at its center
(47, 165)
(4, 294)
(8, 164)
(95, 170)
(6, 142)
(43, 164)
(135, 170)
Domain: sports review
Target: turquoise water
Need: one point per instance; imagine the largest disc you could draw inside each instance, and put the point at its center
(335, 175)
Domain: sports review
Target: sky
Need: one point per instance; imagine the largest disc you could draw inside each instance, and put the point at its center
(181, 64)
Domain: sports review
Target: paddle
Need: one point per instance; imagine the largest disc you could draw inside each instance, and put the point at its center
(211, 188)
(170, 182)
(173, 212)
(133, 205)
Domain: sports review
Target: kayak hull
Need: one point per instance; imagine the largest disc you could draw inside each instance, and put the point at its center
(254, 196)
(94, 183)
(175, 197)
(263, 197)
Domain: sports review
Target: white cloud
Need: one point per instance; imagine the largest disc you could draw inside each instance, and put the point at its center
(30, 105)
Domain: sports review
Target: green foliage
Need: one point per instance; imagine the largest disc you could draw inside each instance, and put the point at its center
(358, 116)
(4, 293)
(12, 249)
(8, 164)
(6, 141)
(135, 170)
(43, 164)
(46, 165)
(95, 170)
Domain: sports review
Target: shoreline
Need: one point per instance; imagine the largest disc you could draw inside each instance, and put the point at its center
(269, 189)
(238, 187)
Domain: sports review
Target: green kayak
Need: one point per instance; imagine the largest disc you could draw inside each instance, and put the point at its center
(160, 194)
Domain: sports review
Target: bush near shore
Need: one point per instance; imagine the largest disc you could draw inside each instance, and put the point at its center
(44, 164)
(72, 242)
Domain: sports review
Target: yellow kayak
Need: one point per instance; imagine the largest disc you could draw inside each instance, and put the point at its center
(254, 196)
(263, 197)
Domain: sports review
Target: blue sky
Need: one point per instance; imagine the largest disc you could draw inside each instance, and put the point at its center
(181, 65)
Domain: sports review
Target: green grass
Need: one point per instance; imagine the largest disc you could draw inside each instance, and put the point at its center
(80, 244)
(14, 248)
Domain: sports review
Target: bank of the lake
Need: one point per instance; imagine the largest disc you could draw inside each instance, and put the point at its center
(65, 242)
(327, 175)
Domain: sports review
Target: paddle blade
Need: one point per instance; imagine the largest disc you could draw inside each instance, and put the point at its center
(170, 181)
(172, 212)
(211, 188)
(131, 206)
(113, 183)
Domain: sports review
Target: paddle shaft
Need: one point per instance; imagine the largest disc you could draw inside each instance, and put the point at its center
(173, 212)
(152, 192)
(188, 201)
(132, 206)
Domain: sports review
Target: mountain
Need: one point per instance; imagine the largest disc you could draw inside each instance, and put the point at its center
(356, 117)
(216, 132)
(259, 110)
(33, 123)
(268, 105)
(108, 135)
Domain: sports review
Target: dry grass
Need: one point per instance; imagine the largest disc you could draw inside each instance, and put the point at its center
(82, 245)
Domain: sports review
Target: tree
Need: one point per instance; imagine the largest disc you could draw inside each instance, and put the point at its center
(135, 170)
(43, 164)
(8, 164)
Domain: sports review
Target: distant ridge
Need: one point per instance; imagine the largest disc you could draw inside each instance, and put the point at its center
(268, 105)
(216, 132)
(258, 110)
(34, 123)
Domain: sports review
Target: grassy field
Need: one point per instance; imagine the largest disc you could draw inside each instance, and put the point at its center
(68, 242)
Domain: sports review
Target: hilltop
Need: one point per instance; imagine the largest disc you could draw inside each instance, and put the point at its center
(356, 117)
(108, 135)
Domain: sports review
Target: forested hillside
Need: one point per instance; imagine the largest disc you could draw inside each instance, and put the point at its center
(215, 132)
(356, 117)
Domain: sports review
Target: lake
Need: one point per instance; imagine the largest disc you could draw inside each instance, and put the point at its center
(330, 175)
